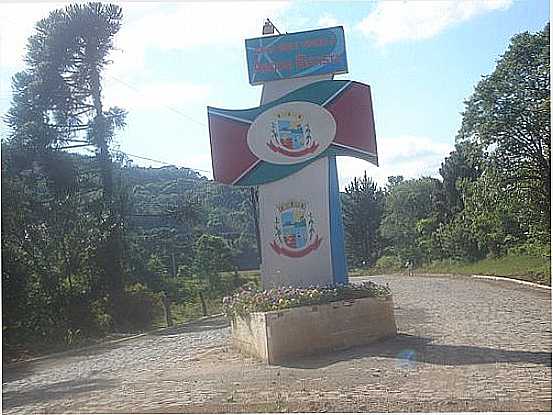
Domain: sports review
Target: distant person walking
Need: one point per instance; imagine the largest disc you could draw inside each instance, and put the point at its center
(409, 266)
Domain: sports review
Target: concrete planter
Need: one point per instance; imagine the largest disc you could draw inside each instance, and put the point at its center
(277, 336)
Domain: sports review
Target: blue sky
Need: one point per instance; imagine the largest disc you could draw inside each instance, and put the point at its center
(421, 58)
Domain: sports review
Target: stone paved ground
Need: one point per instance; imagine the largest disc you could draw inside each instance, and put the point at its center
(464, 345)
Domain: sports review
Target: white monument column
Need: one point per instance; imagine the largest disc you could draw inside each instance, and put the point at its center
(288, 146)
(309, 186)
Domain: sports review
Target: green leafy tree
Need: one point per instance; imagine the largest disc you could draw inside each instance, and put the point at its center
(493, 215)
(212, 257)
(363, 205)
(48, 242)
(509, 115)
(407, 203)
(466, 162)
(455, 240)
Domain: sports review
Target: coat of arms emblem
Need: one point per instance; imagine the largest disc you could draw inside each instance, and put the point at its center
(294, 230)
(291, 135)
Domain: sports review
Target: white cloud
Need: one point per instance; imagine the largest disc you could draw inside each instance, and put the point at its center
(202, 23)
(148, 25)
(393, 21)
(408, 156)
(176, 26)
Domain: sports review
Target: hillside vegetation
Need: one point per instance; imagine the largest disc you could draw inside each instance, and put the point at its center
(93, 245)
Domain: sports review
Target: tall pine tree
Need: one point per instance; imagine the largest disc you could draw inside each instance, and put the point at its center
(363, 205)
(57, 105)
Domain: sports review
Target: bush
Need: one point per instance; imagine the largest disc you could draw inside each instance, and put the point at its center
(230, 282)
(137, 308)
(252, 300)
(83, 317)
(456, 240)
(531, 248)
(389, 263)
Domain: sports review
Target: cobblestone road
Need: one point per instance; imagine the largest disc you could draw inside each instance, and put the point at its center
(464, 345)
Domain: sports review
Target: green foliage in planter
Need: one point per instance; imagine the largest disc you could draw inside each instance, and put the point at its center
(249, 300)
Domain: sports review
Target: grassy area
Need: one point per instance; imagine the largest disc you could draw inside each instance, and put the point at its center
(363, 272)
(524, 267)
(528, 268)
(192, 309)
(251, 275)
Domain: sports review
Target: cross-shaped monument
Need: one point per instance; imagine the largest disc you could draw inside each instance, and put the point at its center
(288, 146)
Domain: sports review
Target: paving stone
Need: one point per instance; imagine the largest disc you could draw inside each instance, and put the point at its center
(464, 345)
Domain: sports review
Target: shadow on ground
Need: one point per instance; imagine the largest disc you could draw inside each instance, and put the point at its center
(408, 350)
(55, 391)
(214, 323)
(19, 370)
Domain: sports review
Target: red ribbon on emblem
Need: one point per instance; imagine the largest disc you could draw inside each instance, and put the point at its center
(307, 150)
(297, 254)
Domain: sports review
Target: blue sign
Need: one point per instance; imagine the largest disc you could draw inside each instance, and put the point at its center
(294, 55)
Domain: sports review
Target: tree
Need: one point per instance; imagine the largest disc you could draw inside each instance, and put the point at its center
(65, 246)
(407, 203)
(57, 99)
(509, 116)
(212, 257)
(466, 162)
(48, 240)
(492, 214)
(394, 180)
(58, 105)
(363, 205)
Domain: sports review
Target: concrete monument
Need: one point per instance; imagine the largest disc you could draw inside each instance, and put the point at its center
(288, 146)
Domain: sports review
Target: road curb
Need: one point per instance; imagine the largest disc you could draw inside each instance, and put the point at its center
(517, 281)
(105, 343)
(477, 276)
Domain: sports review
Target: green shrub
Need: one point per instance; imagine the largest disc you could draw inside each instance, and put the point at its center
(137, 308)
(102, 320)
(251, 300)
(531, 248)
(84, 317)
(389, 263)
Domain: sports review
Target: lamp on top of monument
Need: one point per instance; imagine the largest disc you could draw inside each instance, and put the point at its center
(288, 146)
(269, 28)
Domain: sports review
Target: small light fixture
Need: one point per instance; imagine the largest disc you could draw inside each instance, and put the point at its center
(269, 28)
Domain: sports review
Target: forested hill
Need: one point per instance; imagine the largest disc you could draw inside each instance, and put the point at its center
(170, 207)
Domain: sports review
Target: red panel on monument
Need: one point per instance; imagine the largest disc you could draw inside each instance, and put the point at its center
(353, 113)
(230, 154)
(266, 143)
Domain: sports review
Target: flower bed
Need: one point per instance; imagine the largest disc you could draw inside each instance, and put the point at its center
(249, 300)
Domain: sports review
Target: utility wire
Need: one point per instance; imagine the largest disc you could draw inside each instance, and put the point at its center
(160, 161)
(137, 90)
(165, 105)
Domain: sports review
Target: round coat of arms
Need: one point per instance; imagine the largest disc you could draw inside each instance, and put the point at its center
(294, 230)
(291, 135)
(292, 132)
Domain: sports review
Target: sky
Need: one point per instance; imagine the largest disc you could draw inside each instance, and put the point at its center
(421, 58)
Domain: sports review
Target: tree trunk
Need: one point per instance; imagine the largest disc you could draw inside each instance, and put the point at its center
(100, 129)
(167, 307)
(113, 270)
(254, 200)
(202, 301)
